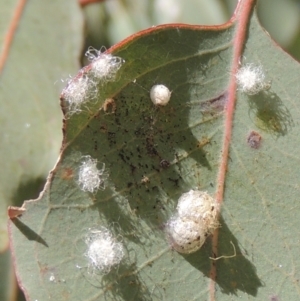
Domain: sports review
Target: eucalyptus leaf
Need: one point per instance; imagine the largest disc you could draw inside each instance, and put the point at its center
(151, 155)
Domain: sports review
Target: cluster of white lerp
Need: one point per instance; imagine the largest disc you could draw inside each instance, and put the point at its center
(84, 87)
(251, 79)
(195, 219)
(103, 250)
(90, 178)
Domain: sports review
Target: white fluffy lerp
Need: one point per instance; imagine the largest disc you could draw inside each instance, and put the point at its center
(195, 219)
(185, 236)
(90, 178)
(251, 79)
(196, 204)
(160, 95)
(103, 250)
(78, 91)
(104, 66)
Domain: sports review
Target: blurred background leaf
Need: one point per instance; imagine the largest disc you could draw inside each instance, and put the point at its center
(111, 21)
(43, 49)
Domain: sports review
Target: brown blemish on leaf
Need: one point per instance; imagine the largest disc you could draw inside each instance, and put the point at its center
(254, 139)
(215, 105)
(109, 104)
(203, 142)
(67, 174)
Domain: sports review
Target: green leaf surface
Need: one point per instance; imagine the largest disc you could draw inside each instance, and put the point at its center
(135, 140)
(38, 57)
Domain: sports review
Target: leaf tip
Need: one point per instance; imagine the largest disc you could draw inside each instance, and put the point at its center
(14, 211)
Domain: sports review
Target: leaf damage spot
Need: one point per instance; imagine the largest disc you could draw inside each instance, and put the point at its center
(254, 139)
(109, 105)
(215, 105)
(67, 173)
(204, 141)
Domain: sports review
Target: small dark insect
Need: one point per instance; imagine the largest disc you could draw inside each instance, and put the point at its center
(254, 140)
(164, 163)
